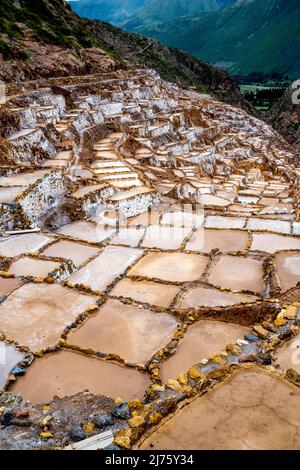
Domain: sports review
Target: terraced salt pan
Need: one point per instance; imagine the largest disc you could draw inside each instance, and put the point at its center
(225, 240)
(41, 312)
(76, 252)
(9, 357)
(23, 179)
(65, 373)
(174, 267)
(251, 410)
(203, 339)
(237, 273)
(272, 243)
(86, 231)
(183, 218)
(9, 194)
(288, 270)
(150, 292)
(33, 267)
(279, 226)
(104, 269)
(87, 190)
(210, 200)
(18, 244)
(130, 236)
(202, 297)
(215, 221)
(135, 334)
(288, 355)
(7, 285)
(158, 236)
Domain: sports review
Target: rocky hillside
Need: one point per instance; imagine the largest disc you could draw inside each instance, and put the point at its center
(171, 63)
(285, 117)
(248, 36)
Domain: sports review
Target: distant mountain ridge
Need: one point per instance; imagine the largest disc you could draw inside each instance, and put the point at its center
(246, 36)
(114, 11)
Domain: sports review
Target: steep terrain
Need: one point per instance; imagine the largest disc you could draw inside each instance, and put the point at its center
(114, 11)
(250, 35)
(285, 115)
(157, 12)
(43, 39)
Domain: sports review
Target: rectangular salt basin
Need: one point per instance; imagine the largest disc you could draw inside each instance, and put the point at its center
(87, 190)
(23, 179)
(203, 297)
(66, 373)
(273, 243)
(165, 237)
(33, 267)
(202, 339)
(207, 240)
(214, 221)
(133, 333)
(9, 194)
(16, 245)
(76, 252)
(130, 236)
(183, 218)
(173, 267)
(104, 269)
(86, 231)
(269, 225)
(237, 273)
(9, 357)
(41, 313)
(288, 269)
(149, 292)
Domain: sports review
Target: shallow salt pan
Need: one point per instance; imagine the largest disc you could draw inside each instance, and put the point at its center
(104, 269)
(269, 225)
(66, 373)
(158, 236)
(225, 240)
(176, 267)
(19, 244)
(41, 312)
(288, 269)
(201, 341)
(8, 195)
(133, 333)
(212, 221)
(237, 273)
(202, 297)
(250, 410)
(76, 252)
(86, 231)
(272, 243)
(33, 267)
(9, 357)
(146, 291)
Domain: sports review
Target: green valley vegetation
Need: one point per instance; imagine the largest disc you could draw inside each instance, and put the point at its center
(114, 11)
(247, 36)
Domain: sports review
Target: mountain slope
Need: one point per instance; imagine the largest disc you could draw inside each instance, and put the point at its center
(284, 116)
(248, 36)
(40, 38)
(113, 11)
(172, 64)
(157, 12)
